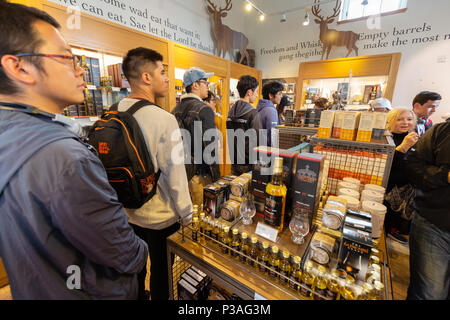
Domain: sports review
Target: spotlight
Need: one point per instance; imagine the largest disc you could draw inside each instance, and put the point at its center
(306, 21)
(248, 6)
(365, 2)
(283, 18)
(262, 17)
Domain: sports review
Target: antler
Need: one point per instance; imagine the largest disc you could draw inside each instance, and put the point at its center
(212, 5)
(316, 9)
(228, 4)
(337, 9)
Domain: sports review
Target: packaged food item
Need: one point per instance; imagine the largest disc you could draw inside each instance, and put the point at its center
(352, 203)
(369, 195)
(240, 185)
(230, 210)
(365, 127)
(379, 125)
(326, 124)
(322, 246)
(348, 192)
(337, 127)
(350, 123)
(214, 196)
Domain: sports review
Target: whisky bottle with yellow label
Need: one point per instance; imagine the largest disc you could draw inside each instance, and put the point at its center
(216, 230)
(195, 228)
(332, 292)
(194, 213)
(225, 240)
(307, 281)
(208, 229)
(275, 197)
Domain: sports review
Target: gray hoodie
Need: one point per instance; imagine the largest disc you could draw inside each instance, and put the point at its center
(57, 212)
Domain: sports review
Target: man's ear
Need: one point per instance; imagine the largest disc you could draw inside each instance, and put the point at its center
(18, 70)
(147, 78)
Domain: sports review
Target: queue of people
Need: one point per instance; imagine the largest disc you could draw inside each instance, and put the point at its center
(57, 203)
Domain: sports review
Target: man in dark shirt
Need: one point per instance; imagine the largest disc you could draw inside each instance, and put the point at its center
(196, 119)
(428, 168)
(243, 125)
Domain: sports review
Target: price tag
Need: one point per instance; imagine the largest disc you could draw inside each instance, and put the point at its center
(91, 87)
(115, 89)
(129, 89)
(266, 231)
(259, 297)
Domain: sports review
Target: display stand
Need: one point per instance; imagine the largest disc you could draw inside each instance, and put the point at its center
(241, 279)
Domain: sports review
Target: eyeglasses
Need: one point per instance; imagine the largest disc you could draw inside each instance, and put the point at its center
(204, 81)
(75, 60)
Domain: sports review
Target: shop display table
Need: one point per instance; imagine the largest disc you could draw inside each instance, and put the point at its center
(239, 278)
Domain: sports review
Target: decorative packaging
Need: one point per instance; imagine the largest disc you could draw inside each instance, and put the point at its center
(326, 124)
(241, 185)
(350, 123)
(365, 127)
(379, 125)
(322, 247)
(230, 210)
(337, 126)
(214, 195)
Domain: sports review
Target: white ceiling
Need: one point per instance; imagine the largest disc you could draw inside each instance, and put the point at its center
(278, 7)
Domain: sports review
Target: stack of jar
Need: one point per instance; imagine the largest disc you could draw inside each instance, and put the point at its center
(205, 229)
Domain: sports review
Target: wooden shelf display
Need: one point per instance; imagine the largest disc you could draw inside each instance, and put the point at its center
(365, 75)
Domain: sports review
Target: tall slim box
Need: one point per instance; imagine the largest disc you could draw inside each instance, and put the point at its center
(350, 123)
(95, 72)
(337, 126)
(307, 183)
(326, 124)
(379, 125)
(365, 127)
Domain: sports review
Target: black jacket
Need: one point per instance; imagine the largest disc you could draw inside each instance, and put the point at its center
(398, 176)
(189, 110)
(243, 116)
(428, 168)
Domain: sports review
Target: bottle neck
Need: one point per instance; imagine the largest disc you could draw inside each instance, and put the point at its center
(277, 178)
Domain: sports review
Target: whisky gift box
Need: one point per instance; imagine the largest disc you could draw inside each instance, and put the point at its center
(365, 127)
(379, 125)
(354, 252)
(350, 123)
(262, 173)
(214, 196)
(307, 183)
(326, 124)
(312, 118)
(95, 71)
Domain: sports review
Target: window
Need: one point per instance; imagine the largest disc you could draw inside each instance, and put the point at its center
(353, 9)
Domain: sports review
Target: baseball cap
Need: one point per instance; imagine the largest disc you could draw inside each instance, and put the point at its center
(381, 103)
(194, 74)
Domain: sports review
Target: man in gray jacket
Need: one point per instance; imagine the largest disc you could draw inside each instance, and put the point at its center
(63, 233)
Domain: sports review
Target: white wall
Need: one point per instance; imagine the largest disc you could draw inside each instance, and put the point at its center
(168, 19)
(424, 66)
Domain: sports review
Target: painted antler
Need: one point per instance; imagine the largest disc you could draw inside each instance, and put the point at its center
(212, 5)
(337, 10)
(316, 9)
(228, 4)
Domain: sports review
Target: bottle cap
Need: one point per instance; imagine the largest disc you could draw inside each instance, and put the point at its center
(265, 244)
(235, 231)
(286, 254)
(202, 214)
(278, 165)
(244, 235)
(195, 219)
(274, 249)
(322, 270)
(254, 240)
(226, 229)
(297, 259)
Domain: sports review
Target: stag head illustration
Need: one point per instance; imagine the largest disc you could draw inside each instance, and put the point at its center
(330, 37)
(226, 39)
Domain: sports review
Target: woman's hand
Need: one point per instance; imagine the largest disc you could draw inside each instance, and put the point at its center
(410, 140)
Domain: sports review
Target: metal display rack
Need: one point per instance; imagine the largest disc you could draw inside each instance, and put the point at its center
(237, 277)
(367, 162)
(290, 136)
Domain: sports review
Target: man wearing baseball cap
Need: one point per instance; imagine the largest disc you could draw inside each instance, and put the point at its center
(196, 117)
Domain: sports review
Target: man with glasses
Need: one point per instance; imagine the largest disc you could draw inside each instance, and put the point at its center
(197, 120)
(63, 232)
(272, 93)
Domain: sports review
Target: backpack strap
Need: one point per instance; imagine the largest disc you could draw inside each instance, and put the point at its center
(135, 107)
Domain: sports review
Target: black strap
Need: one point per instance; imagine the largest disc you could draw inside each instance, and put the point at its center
(135, 107)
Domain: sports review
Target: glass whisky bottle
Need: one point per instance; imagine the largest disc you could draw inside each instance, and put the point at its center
(320, 283)
(225, 240)
(253, 252)
(235, 244)
(195, 227)
(208, 229)
(296, 273)
(307, 281)
(274, 263)
(216, 230)
(264, 258)
(275, 197)
(87, 71)
(244, 248)
(194, 213)
(285, 268)
(332, 292)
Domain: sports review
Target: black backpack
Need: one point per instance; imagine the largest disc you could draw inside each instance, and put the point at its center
(125, 156)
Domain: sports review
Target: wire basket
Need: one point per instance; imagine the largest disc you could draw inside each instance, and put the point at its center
(367, 162)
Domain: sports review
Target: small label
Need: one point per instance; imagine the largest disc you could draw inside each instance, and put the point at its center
(259, 297)
(292, 284)
(266, 231)
(284, 280)
(262, 267)
(115, 89)
(331, 295)
(195, 236)
(273, 210)
(304, 292)
(272, 272)
(91, 87)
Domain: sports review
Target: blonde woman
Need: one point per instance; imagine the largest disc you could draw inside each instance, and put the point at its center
(401, 123)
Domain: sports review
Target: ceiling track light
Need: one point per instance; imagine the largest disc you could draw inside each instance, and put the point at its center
(250, 5)
(365, 2)
(283, 18)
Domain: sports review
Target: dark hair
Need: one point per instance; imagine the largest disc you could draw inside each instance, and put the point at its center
(136, 59)
(189, 87)
(272, 88)
(285, 102)
(321, 103)
(17, 35)
(209, 97)
(246, 83)
(424, 96)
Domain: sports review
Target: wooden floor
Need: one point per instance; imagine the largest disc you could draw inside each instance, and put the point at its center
(398, 259)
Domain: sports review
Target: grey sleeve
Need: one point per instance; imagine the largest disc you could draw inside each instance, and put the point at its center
(87, 212)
